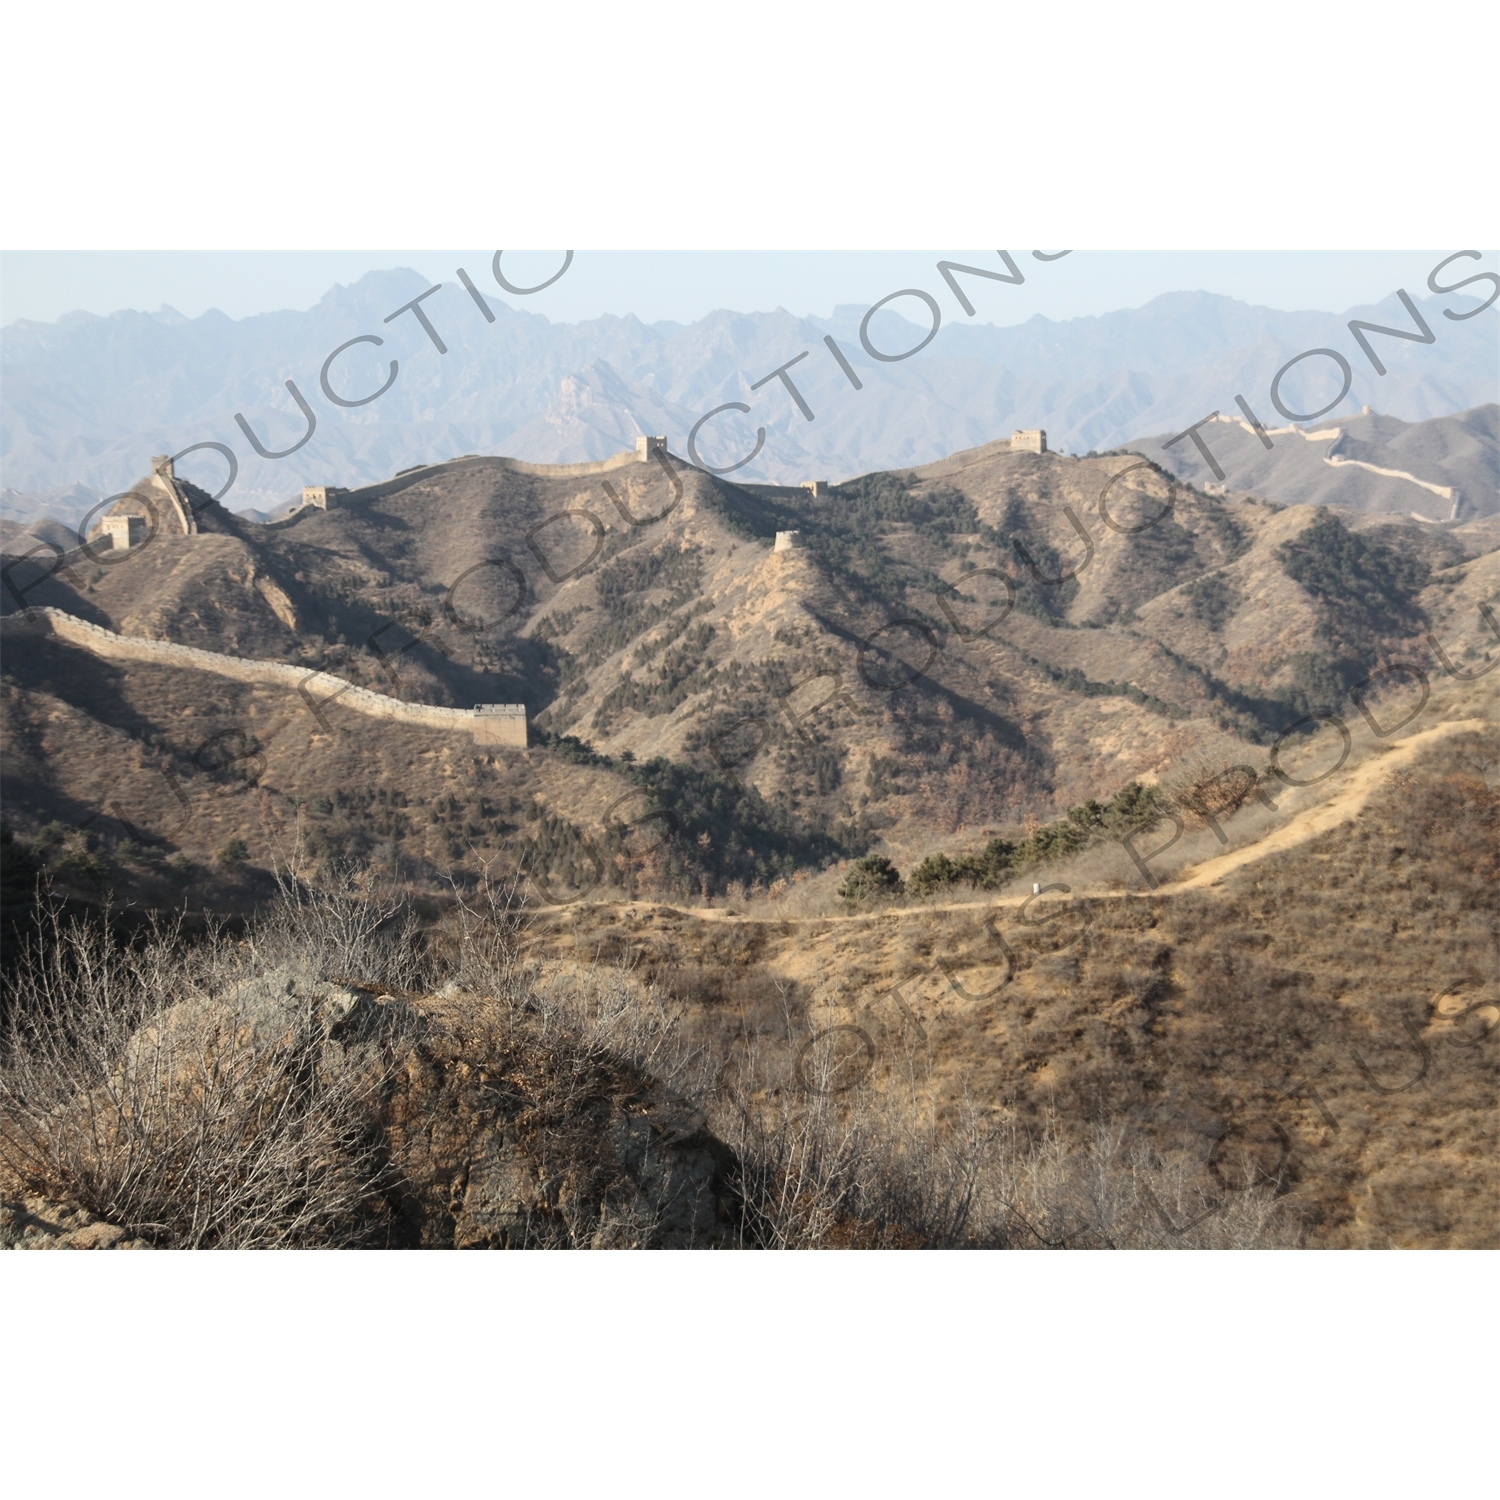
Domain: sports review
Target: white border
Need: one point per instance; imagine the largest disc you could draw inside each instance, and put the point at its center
(787, 123)
(1233, 1374)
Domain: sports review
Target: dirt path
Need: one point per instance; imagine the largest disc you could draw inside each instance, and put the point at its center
(1344, 804)
(722, 914)
(1341, 806)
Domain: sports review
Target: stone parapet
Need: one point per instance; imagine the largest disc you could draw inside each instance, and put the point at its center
(313, 687)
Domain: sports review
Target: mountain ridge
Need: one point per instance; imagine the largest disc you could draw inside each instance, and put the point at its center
(1447, 467)
(965, 646)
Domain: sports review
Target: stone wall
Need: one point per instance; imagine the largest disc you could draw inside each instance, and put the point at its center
(410, 477)
(493, 729)
(315, 689)
(164, 478)
(519, 466)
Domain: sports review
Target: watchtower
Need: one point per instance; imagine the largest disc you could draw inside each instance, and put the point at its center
(646, 448)
(1033, 440)
(500, 724)
(787, 541)
(124, 532)
(321, 495)
(817, 488)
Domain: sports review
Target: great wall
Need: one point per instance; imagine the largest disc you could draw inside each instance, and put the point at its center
(1334, 459)
(488, 724)
(491, 724)
(498, 724)
(646, 450)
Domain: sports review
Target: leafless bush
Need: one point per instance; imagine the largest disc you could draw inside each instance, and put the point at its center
(172, 1091)
(831, 1156)
(345, 924)
(1109, 1193)
(476, 945)
(594, 1008)
(856, 1174)
(237, 1092)
(873, 1164)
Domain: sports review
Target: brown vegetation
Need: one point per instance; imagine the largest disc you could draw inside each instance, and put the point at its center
(1294, 1047)
(1278, 1060)
(230, 1094)
(1327, 1011)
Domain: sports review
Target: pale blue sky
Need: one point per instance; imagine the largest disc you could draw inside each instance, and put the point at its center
(684, 285)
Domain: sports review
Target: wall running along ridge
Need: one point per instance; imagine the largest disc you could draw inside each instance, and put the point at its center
(322, 688)
(1333, 458)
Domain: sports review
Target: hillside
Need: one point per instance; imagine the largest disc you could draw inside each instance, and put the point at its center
(1288, 1044)
(1254, 995)
(870, 688)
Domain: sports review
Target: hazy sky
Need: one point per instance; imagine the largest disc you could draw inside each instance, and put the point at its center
(684, 285)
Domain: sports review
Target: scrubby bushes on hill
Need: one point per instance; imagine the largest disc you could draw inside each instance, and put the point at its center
(1133, 807)
(1367, 593)
(702, 830)
(1213, 599)
(625, 587)
(337, 1078)
(870, 878)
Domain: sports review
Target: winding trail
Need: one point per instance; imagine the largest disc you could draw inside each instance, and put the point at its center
(1347, 801)
(1344, 804)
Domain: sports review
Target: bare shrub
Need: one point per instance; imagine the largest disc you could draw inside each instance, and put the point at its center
(1109, 1193)
(273, 1091)
(347, 924)
(171, 1091)
(596, 1009)
(835, 1154)
(864, 1171)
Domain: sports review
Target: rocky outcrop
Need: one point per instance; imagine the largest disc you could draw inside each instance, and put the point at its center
(326, 1113)
(39, 1224)
(501, 1138)
(276, 596)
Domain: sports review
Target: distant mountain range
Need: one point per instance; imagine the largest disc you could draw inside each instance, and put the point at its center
(87, 399)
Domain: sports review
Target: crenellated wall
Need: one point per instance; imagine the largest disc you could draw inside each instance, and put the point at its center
(314, 688)
(165, 480)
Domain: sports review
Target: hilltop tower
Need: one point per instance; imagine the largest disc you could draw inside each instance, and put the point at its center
(1032, 440)
(787, 541)
(159, 503)
(817, 488)
(646, 448)
(125, 532)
